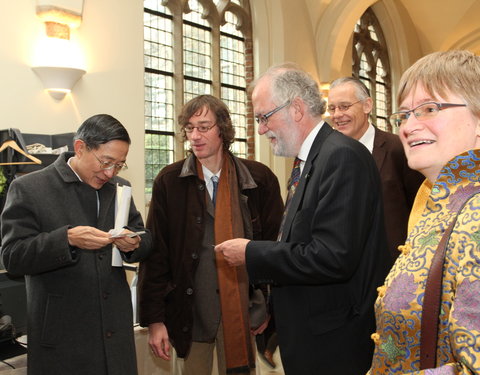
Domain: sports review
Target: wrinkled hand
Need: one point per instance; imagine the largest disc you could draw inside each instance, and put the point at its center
(233, 251)
(88, 238)
(127, 244)
(158, 340)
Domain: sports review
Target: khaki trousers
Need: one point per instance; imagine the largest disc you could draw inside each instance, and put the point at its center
(200, 360)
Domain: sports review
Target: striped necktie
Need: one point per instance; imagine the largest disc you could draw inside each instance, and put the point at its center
(291, 186)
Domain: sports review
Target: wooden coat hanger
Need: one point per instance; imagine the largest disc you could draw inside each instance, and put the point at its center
(12, 144)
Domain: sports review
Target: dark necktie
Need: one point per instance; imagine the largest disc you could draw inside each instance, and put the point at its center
(291, 186)
(215, 187)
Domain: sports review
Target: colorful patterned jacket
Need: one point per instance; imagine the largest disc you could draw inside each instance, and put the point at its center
(398, 308)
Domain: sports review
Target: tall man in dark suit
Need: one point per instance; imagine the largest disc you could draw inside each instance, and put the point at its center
(330, 257)
(350, 104)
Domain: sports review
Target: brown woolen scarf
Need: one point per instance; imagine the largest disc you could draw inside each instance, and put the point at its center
(233, 281)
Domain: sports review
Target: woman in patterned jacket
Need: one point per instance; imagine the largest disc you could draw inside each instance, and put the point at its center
(439, 119)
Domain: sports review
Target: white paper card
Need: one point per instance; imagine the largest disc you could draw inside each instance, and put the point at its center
(122, 208)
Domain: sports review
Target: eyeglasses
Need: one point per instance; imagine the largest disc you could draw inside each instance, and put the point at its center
(263, 119)
(424, 111)
(201, 128)
(341, 107)
(108, 165)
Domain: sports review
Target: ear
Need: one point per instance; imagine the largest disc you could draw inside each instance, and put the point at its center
(367, 105)
(80, 147)
(477, 127)
(299, 106)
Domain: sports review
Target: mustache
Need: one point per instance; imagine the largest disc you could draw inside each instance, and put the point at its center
(270, 134)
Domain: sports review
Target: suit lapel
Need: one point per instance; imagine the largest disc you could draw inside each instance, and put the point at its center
(379, 151)
(307, 172)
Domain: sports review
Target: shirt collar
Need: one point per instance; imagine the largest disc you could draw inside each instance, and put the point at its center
(368, 137)
(69, 162)
(207, 173)
(308, 142)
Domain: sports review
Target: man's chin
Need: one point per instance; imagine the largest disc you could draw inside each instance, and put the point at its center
(281, 152)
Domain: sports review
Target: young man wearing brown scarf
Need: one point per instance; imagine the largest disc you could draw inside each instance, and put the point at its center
(189, 297)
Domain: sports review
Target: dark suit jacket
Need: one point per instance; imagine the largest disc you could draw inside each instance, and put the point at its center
(329, 262)
(399, 186)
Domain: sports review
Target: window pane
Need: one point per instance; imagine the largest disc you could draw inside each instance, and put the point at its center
(235, 100)
(156, 5)
(163, 75)
(159, 90)
(230, 26)
(195, 88)
(364, 66)
(158, 42)
(195, 15)
(197, 52)
(159, 102)
(232, 56)
(370, 62)
(158, 154)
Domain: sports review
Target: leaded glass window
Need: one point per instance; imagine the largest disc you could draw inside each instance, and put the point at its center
(194, 47)
(371, 65)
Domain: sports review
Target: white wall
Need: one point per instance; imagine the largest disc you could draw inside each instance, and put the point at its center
(111, 37)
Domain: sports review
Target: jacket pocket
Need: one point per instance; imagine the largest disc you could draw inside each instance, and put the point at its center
(52, 329)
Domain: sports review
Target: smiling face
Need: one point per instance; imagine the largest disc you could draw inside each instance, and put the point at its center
(87, 166)
(430, 144)
(354, 121)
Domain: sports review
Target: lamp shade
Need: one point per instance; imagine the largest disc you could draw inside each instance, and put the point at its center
(58, 81)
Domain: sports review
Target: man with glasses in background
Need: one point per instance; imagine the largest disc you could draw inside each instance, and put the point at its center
(349, 105)
(189, 297)
(330, 256)
(55, 231)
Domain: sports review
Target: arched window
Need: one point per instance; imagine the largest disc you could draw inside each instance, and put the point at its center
(190, 48)
(371, 65)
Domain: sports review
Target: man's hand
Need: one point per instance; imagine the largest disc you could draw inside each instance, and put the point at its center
(233, 251)
(88, 238)
(126, 243)
(158, 340)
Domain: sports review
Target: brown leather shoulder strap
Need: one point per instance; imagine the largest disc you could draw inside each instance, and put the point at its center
(433, 296)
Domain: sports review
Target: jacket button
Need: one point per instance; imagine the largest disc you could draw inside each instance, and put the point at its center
(185, 329)
(105, 295)
(194, 256)
(189, 291)
(198, 220)
(109, 334)
(201, 187)
(100, 256)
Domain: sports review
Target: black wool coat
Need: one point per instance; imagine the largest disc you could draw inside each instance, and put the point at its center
(79, 306)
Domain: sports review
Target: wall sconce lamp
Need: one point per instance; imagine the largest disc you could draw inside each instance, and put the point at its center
(324, 89)
(59, 69)
(58, 81)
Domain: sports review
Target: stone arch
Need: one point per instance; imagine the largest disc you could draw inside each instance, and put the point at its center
(334, 36)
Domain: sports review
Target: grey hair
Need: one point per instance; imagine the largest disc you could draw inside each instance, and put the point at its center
(289, 81)
(361, 90)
